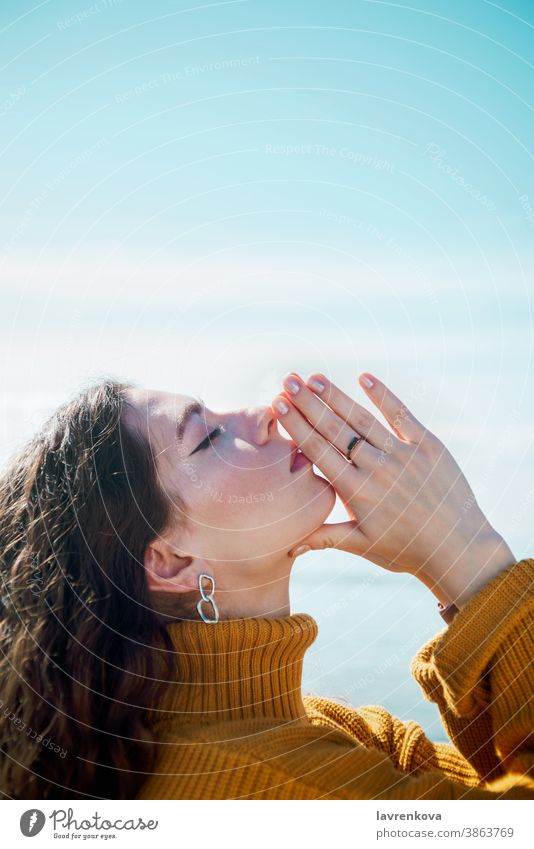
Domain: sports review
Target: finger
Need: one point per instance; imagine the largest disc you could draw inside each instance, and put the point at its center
(394, 411)
(344, 536)
(326, 421)
(360, 419)
(318, 449)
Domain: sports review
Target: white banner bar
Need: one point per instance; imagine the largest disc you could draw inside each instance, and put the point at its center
(267, 824)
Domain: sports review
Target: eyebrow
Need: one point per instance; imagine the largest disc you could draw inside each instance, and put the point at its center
(194, 408)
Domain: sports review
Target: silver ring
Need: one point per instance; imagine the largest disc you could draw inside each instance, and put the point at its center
(354, 441)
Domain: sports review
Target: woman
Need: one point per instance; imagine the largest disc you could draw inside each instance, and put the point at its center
(148, 648)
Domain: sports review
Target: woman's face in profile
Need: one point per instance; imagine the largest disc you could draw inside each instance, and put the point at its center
(233, 471)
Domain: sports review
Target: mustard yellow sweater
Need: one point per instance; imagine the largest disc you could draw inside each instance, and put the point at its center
(235, 724)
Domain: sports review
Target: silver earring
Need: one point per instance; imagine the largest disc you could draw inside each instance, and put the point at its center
(208, 597)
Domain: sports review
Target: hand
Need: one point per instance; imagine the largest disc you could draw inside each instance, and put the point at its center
(410, 507)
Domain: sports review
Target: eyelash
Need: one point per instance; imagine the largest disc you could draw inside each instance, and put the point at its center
(205, 442)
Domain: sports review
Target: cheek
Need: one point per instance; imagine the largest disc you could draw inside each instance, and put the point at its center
(275, 490)
(234, 478)
(248, 498)
(224, 495)
(245, 499)
(245, 513)
(216, 493)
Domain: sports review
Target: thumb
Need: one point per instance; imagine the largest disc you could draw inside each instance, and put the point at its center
(344, 536)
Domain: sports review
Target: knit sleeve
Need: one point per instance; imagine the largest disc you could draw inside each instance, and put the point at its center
(480, 673)
(405, 743)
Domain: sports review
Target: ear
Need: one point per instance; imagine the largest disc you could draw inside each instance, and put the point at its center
(167, 570)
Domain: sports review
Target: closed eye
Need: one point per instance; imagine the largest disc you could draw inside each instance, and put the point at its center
(205, 442)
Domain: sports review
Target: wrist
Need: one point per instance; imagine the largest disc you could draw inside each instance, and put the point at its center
(447, 612)
(479, 564)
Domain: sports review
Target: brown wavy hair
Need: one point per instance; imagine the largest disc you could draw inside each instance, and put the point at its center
(83, 648)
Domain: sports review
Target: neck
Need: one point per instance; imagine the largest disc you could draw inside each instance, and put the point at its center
(244, 605)
(237, 669)
(267, 594)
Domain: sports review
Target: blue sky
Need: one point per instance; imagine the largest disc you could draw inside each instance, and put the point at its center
(366, 110)
(245, 188)
(204, 196)
(350, 178)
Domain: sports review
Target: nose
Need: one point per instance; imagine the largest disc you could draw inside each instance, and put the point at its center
(263, 424)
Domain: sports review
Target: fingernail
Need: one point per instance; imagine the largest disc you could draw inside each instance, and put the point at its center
(281, 406)
(300, 549)
(292, 385)
(367, 381)
(316, 384)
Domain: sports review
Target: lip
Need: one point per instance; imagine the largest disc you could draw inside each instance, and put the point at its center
(296, 452)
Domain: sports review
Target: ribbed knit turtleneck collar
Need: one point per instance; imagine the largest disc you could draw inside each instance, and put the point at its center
(237, 669)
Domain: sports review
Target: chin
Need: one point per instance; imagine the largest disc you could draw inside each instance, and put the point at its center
(328, 489)
(323, 500)
(330, 495)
